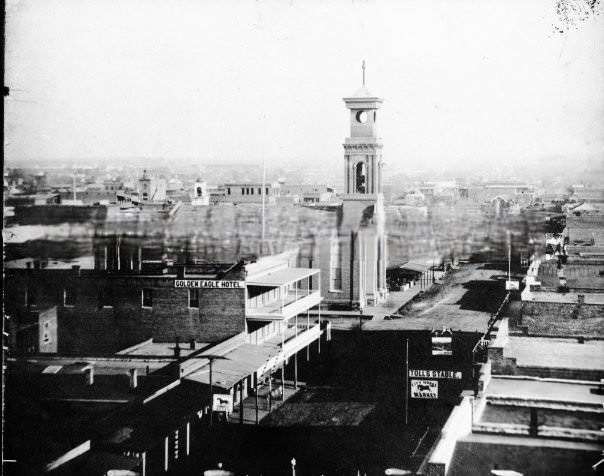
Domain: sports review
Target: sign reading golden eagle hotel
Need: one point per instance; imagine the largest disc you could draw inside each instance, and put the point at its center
(208, 283)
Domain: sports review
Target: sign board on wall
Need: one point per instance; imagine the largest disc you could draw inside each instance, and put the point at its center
(222, 403)
(424, 389)
(208, 283)
(442, 345)
(512, 285)
(435, 374)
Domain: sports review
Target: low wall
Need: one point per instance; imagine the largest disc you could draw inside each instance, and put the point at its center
(458, 425)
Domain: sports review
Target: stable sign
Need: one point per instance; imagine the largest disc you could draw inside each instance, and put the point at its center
(424, 389)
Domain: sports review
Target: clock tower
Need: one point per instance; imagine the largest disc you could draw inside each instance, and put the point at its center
(363, 148)
(358, 253)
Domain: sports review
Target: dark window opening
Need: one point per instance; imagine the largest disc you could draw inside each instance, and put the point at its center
(361, 177)
(194, 298)
(147, 297)
(31, 297)
(69, 297)
(106, 298)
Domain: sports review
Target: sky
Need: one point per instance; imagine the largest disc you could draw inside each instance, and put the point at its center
(481, 82)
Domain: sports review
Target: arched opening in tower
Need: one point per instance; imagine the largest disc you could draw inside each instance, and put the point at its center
(361, 177)
(199, 194)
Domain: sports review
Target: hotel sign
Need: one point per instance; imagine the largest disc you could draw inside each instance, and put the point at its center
(451, 374)
(208, 283)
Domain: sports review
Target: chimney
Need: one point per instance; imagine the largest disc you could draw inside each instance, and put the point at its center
(133, 378)
(89, 372)
(192, 344)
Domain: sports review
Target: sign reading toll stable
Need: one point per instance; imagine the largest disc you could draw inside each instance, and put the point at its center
(435, 374)
(208, 283)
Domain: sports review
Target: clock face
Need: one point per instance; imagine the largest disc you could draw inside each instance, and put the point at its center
(361, 117)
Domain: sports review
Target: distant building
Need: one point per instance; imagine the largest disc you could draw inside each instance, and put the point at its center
(200, 195)
(307, 193)
(247, 192)
(151, 188)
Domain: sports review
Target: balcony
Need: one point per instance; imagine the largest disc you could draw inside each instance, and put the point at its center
(282, 294)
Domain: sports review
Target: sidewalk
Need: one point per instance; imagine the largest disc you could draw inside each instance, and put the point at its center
(249, 403)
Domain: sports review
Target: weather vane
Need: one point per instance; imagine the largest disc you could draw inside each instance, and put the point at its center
(363, 72)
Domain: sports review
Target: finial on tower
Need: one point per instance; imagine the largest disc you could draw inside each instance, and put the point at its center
(363, 72)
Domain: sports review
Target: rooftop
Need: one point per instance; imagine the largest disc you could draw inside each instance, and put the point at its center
(556, 352)
(527, 388)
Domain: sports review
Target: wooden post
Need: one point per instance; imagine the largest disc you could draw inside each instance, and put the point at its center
(534, 423)
(407, 383)
(211, 395)
(296, 371)
(241, 402)
(283, 380)
(257, 388)
(270, 392)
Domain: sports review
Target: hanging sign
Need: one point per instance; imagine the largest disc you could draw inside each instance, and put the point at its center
(222, 403)
(424, 389)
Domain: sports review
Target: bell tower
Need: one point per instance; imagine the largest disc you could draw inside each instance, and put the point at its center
(363, 148)
(358, 254)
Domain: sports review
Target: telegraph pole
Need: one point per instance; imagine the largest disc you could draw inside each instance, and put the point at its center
(407, 383)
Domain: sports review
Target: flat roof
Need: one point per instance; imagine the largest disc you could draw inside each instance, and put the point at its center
(162, 349)
(495, 439)
(546, 390)
(282, 276)
(417, 267)
(556, 352)
(235, 365)
(319, 414)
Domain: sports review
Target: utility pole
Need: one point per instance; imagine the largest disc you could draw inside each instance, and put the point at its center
(211, 394)
(407, 383)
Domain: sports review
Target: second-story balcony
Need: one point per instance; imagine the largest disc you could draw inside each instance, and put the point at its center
(282, 294)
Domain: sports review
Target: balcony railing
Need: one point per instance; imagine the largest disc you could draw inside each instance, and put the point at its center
(290, 305)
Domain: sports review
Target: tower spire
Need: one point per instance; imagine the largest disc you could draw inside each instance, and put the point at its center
(363, 72)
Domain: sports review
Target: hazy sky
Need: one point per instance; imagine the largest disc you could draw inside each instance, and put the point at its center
(484, 81)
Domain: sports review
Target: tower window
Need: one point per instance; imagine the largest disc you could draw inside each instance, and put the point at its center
(361, 117)
(252, 190)
(360, 177)
(147, 297)
(46, 333)
(242, 191)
